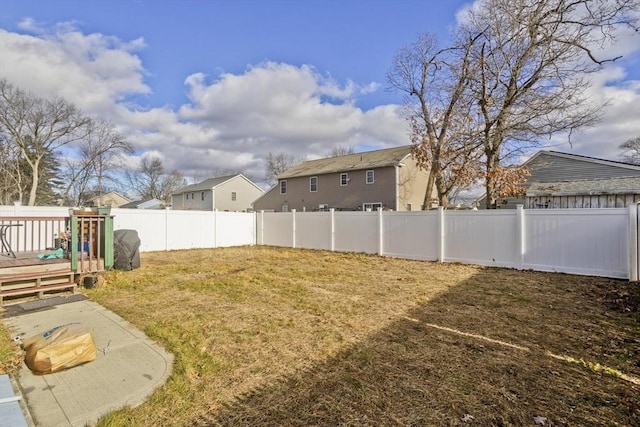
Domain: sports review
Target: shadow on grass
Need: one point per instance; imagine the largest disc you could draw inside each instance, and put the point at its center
(501, 347)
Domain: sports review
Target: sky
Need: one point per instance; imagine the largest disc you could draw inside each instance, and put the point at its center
(212, 87)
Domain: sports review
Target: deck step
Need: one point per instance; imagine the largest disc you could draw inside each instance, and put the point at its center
(32, 290)
(32, 283)
(5, 278)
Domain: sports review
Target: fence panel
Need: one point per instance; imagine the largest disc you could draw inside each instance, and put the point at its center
(412, 235)
(235, 229)
(278, 229)
(579, 241)
(151, 226)
(313, 230)
(480, 237)
(356, 232)
(189, 229)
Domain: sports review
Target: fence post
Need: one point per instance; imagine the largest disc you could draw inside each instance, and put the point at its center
(262, 227)
(215, 228)
(333, 229)
(441, 237)
(293, 227)
(166, 229)
(380, 233)
(520, 236)
(633, 243)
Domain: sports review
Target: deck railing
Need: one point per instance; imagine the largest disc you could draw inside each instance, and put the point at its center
(32, 234)
(90, 243)
(86, 240)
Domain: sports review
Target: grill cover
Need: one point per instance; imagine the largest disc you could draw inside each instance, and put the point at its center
(126, 250)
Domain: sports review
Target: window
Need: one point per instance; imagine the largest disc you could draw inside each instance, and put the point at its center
(313, 184)
(202, 195)
(283, 187)
(285, 208)
(370, 177)
(193, 196)
(234, 196)
(371, 207)
(408, 206)
(344, 179)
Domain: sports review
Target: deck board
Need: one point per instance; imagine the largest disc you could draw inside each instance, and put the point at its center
(28, 262)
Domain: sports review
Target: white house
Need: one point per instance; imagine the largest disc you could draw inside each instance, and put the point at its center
(233, 193)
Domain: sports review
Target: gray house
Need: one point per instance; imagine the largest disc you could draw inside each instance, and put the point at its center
(388, 178)
(560, 180)
(234, 193)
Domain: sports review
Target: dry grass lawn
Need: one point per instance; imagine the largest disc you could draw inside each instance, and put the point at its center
(271, 336)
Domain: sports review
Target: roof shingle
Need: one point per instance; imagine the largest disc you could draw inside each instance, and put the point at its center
(349, 162)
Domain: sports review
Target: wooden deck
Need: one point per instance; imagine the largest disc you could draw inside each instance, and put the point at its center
(28, 262)
(28, 275)
(87, 236)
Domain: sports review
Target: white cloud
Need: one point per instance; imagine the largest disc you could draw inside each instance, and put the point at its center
(92, 71)
(30, 25)
(283, 108)
(620, 117)
(231, 122)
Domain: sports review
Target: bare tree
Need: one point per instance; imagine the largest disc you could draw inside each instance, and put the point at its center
(37, 127)
(150, 181)
(98, 156)
(533, 59)
(436, 81)
(12, 177)
(631, 150)
(275, 164)
(341, 150)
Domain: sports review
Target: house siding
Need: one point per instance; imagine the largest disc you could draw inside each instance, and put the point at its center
(412, 185)
(550, 168)
(246, 193)
(331, 193)
(111, 198)
(180, 201)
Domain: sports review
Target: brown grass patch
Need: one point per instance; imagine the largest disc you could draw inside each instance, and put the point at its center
(270, 336)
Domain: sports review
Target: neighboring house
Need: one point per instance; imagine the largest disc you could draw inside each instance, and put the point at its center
(113, 199)
(233, 193)
(561, 180)
(390, 179)
(145, 204)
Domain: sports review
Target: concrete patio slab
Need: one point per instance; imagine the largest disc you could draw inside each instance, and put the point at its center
(129, 366)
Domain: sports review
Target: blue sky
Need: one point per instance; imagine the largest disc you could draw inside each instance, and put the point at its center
(213, 86)
(348, 40)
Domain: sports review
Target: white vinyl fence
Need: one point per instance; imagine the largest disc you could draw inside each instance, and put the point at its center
(598, 242)
(169, 229)
(166, 229)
